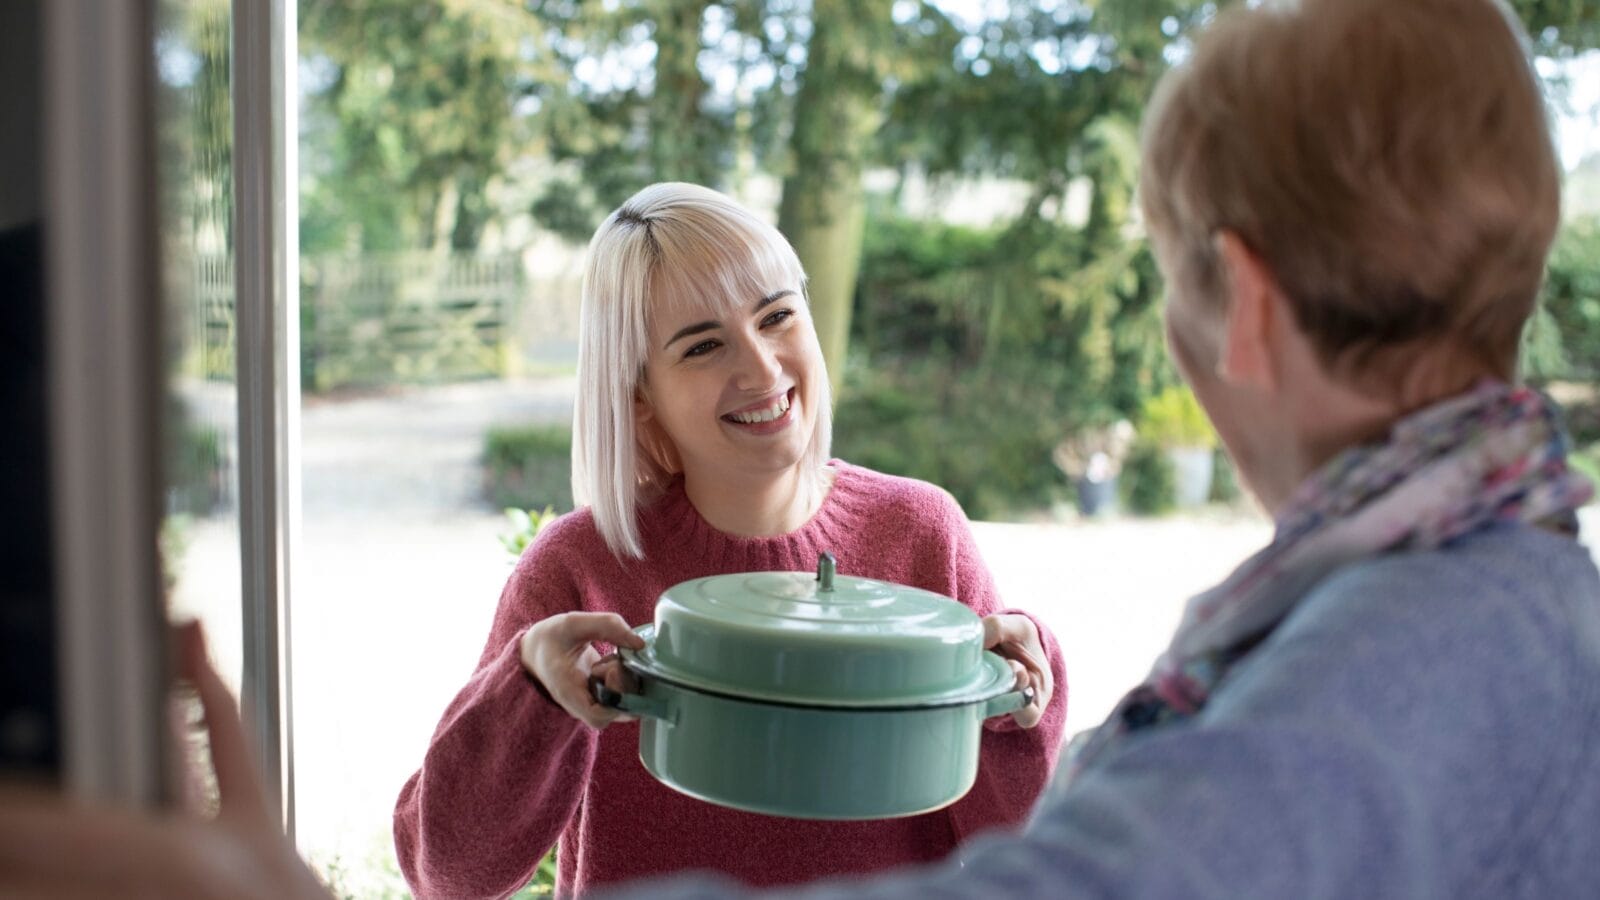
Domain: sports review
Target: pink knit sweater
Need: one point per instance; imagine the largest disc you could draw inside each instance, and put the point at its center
(509, 772)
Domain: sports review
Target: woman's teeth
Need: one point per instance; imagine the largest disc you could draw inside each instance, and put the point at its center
(756, 417)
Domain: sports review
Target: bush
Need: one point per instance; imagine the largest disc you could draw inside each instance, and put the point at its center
(196, 462)
(1564, 339)
(1173, 418)
(529, 467)
(1224, 481)
(1587, 463)
(983, 437)
(1149, 486)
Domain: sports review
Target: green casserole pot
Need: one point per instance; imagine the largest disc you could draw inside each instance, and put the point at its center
(814, 696)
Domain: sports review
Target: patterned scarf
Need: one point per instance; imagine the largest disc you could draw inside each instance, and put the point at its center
(1494, 454)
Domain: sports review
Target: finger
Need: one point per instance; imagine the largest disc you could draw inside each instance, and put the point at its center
(611, 671)
(1020, 675)
(581, 628)
(615, 676)
(1017, 637)
(242, 796)
(53, 847)
(573, 693)
(1029, 716)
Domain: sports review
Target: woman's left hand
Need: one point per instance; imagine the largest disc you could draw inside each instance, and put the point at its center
(1016, 638)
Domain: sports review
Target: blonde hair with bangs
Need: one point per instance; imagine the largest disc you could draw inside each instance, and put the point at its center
(670, 244)
(1389, 160)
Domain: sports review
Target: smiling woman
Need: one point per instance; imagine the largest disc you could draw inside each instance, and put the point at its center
(701, 439)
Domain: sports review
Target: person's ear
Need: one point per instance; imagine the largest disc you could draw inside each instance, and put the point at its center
(652, 438)
(1248, 355)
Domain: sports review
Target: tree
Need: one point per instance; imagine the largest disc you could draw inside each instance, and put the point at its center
(839, 108)
(411, 117)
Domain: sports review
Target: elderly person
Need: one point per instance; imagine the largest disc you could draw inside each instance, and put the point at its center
(1400, 695)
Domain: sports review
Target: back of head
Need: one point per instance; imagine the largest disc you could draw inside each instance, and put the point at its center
(669, 244)
(1389, 160)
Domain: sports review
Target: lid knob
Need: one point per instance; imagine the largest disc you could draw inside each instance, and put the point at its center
(827, 566)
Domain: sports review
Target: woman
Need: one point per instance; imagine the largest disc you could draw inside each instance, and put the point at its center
(701, 439)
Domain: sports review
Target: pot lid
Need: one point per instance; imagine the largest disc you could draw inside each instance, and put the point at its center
(819, 638)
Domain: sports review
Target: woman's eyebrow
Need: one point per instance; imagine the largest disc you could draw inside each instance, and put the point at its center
(687, 330)
(772, 298)
(698, 327)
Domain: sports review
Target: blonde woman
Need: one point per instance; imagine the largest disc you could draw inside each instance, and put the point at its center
(701, 438)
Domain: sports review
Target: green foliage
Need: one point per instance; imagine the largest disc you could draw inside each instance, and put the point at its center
(196, 467)
(1148, 483)
(1563, 341)
(529, 467)
(544, 879)
(1173, 418)
(1587, 463)
(980, 349)
(525, 527)
(1224, 481)
(982, 435)
(409, 117)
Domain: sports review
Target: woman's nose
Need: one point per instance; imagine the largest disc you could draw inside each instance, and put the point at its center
(758, 366)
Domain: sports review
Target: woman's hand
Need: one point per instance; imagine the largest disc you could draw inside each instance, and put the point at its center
(559, 652)
(1016, 638)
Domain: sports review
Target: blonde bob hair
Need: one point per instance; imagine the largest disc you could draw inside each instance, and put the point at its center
(668, 246)
(1389, 160)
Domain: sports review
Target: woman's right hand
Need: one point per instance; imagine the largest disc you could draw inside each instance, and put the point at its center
(559, 653)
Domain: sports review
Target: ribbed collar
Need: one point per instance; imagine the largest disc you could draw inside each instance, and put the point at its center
(671, 525)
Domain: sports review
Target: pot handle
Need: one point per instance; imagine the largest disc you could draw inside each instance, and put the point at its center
(1008, 702)
(633, 704)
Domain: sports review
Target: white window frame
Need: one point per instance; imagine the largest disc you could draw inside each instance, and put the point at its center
(266, 253)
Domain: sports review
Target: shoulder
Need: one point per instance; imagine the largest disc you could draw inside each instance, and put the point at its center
(1439, 651)
(1488, 592)
(907, 499)
(568, 545)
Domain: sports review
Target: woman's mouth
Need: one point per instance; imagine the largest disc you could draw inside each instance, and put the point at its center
(767, 416)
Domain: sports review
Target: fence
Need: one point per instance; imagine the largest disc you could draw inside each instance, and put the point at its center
(402, 318)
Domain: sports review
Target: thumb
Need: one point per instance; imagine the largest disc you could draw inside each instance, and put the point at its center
(609, 627)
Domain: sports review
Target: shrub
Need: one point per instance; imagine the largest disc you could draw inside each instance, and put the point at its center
(984, 437)
(1587, 462)
(1173, 418)
(1224, 481)
(1564, 339)
(1149, 486)
(529, 467)
(196, 461)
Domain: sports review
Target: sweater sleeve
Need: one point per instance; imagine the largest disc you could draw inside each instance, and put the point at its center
(1014, 763)
(506, 767)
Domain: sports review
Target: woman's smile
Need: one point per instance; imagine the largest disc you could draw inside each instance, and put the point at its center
(767, 416)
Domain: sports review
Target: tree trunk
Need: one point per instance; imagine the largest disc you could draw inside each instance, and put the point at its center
(675, 117)
(823, 210)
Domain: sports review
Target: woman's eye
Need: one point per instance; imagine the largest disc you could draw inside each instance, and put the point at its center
(700, 349)
(777, 317)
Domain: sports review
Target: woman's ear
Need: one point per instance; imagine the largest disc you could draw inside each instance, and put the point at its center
(652, 438)
(1249, 353)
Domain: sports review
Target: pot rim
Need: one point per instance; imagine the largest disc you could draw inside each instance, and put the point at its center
(998, 679)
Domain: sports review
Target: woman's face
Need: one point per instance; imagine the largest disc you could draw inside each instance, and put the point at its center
(734, 394)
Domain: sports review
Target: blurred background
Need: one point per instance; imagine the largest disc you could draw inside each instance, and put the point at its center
(957, 176)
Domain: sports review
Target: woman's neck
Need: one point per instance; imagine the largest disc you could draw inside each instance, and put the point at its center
(759, 505)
